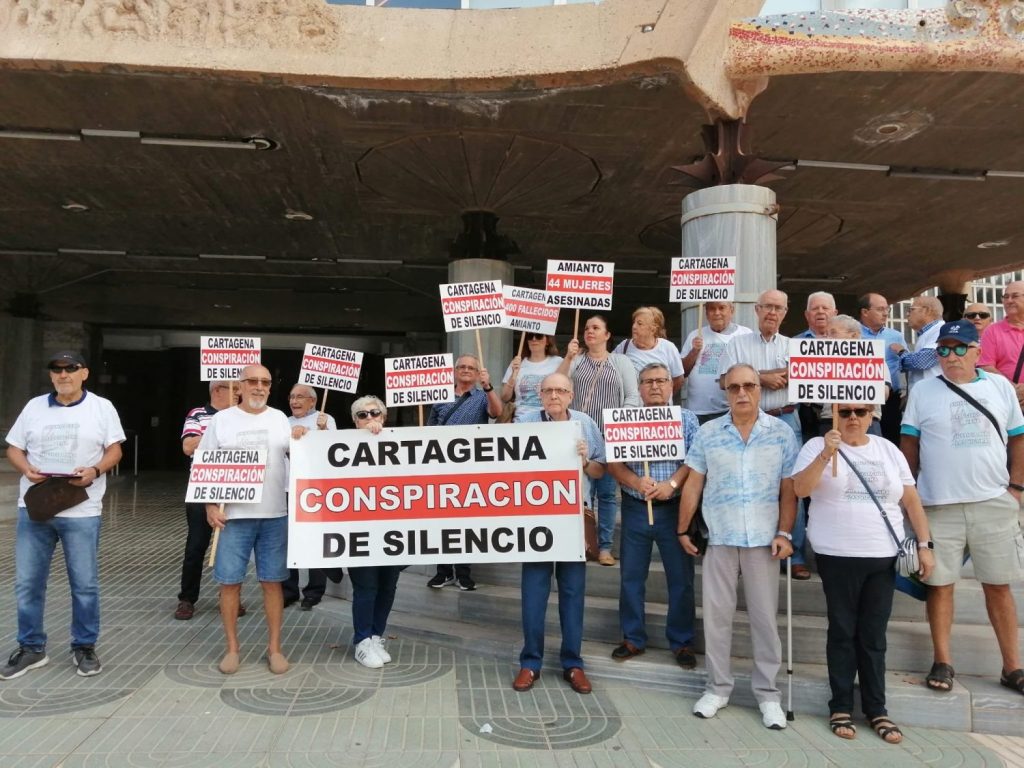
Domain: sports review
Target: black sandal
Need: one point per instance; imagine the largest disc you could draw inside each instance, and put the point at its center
(885, 728)
(940, 678)
(842, 720)
(1013, 680)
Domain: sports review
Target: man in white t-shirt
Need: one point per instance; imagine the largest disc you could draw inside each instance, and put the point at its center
(68, 433)
(703, 352)
(958, 452)
(247, 528)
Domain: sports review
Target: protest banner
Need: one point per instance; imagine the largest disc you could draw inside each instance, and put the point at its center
(699, 279)
(330, 368)
(472, 306)
(649, 433)
(419, 380)
(836, 371)
(580, 285)
(476, 494)
(224, 357)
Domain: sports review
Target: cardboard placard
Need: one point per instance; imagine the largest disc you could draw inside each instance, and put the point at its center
(473, 305)
(419, 380)
(527, 309)
(699, 279)
(580, 284)
(836, 371)
(648, 433)
(224, 357)
(330, 368)
(227, 476)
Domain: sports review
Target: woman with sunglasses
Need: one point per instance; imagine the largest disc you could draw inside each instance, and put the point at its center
(522, 379)
(373, 587)
(856, 555)
(601, 379)
(845, 327)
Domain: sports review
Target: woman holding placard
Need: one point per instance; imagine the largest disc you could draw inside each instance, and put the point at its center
(601, 379)
(373, 587)
(648, 344)
(855, 523)
(522, 379)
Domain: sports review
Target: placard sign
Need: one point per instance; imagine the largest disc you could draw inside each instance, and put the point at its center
(651, 433)
(580, 284)
(836, 371)
(419, 380)
(224, 357)
(227, 476)
(330, 368)
(526, 309)
(700, 279)
(476, 494)
(472, 305)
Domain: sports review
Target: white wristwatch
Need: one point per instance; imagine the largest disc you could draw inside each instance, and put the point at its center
(785, 535)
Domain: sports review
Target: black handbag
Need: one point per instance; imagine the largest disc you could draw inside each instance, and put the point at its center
(55, 494)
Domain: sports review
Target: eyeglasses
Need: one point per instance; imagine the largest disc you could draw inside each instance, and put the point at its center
(977, 315)
(258, 382)
(883, 310)
(771, 307)
(860, 413)
(747, 386)
(465, 367)
(58, 369)
(373, 413)
(654, 382)
(301, 397)
(960, 349)
(536, 337)
(552, 391)
(1013, 296)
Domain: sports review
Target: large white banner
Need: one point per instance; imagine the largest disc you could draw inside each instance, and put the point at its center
(420, 495)
(224, 357)
(836, 371)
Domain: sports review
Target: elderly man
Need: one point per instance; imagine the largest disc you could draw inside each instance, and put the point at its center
(955, 435)
(702, 353)
(247, 528)
(925, 318)
(749, 517)
(661, 488)
(555, 395)
(821, 307)
(473, 405)
(1002, 348)
(874, 314)
(198, 537)
(305, 417)
(68, 433)
(980, 315)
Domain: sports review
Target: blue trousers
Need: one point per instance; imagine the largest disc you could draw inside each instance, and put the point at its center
(603, 491)
(373, 594)
(536, 587)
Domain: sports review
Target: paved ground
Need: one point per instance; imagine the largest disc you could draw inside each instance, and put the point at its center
(161, 702)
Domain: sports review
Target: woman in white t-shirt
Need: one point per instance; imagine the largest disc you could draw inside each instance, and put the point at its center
(649, 345)
(523, 376)
(856, 554)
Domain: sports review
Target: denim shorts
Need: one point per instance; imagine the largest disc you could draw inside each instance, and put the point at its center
(266, 536)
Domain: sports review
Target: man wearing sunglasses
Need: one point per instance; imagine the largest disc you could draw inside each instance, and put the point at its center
(958, 451)
(1003, 350)
(71, 433)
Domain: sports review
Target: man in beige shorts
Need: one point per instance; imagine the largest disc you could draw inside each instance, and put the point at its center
(958, 452)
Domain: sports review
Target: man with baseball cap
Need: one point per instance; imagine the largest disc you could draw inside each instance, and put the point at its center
(74, 435)
(956, 432)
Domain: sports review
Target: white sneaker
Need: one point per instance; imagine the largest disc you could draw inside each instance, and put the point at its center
(707, 706)
(381, 650)
(772, 715)
(366, 654)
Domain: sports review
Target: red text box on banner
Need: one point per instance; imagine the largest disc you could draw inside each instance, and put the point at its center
(580, 284)
(836, 371)
(526, 309)
(467, 306)
(651, 433)
(226, 476)
(700, 279)
(224, 357)
(330, 368)
(419, 380)
(418, 495)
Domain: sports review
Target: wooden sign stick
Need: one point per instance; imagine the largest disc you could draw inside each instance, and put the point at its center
(835, 425)
(576, 325)
(650, 508)
(323, 404)
(522, 341)
(421, 414)
(479, 349)
(700, 322)
(216, 538)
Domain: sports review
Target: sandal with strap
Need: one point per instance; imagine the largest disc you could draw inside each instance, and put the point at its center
(885, 728)
(940, 678)
(1013, 680)
(841, 721)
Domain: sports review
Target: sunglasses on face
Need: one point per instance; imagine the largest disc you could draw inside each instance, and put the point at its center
(373, 413)
(747, 386)
(258, 382)
(960, 349)
(860, 413)
(536, 337)
(58, 369)
(977, 315)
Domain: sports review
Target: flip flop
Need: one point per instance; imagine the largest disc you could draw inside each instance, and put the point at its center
(885, 728)
(1013, 680)
(840, 721)
(940, 678)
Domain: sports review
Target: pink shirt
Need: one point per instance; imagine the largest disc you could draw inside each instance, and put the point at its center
(1000, 347)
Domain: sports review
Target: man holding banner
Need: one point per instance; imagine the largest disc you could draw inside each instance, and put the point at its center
(656, 488)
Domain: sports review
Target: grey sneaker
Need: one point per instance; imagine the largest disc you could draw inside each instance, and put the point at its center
(86, 660)
(21, 661)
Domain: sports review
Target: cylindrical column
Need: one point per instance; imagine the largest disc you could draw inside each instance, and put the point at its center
(496, 342)
(733, 220)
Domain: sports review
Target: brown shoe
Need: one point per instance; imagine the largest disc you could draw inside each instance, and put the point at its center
(525, 679)
(241, 610)
(801, 572)
(577, 680)
(605, 557)
(185, 610)
(626, 651)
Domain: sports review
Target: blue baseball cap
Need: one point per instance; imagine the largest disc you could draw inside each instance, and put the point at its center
(959, 330)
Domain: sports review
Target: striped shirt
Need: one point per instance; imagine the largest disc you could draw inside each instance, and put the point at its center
(197, 420)
(597, 386)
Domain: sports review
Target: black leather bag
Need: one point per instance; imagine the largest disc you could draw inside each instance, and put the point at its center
(55, 494)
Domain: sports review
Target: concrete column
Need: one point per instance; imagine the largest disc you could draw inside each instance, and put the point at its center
(733, 220)
(496, 342)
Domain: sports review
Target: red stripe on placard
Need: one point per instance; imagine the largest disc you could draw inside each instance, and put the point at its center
(412, 497)
(351, 370)
(473, 304)
(399, 380)
(559, 283)
(626, 432)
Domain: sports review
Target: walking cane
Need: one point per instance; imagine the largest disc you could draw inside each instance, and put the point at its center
(789, 637)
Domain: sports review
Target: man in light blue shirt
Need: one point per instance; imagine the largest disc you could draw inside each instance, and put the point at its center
(742, 462)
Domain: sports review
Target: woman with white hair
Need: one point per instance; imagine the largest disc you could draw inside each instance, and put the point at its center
(373, 587)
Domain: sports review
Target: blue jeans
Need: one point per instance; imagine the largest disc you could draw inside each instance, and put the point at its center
(638, 539)
(536, 587)
(603, 491)
(267, 537)
(800, 525)
(33, 552)
(373, 594)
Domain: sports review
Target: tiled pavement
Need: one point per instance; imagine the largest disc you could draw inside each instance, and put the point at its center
(161, 702)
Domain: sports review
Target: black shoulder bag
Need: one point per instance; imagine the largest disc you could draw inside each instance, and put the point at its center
(976, 404)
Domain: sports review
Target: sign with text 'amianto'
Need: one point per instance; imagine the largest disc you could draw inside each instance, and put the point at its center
(417, 495)
(527, 309)
(650, 433)
(226, 476)
(700, 279)
(224, 357)
(836, 371)
(478, 304)
(580, 284)
(419, 380)
(330, 368)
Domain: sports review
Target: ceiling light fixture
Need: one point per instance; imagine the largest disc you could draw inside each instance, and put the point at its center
(233, 256)
(254, 143)
(106, 133)
(39, 135)
(1006, 174)
(74, 207)
(841, 166)
(993, 244)
(936, 174)
(297, 215)
(397, 262)
(90, 252)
